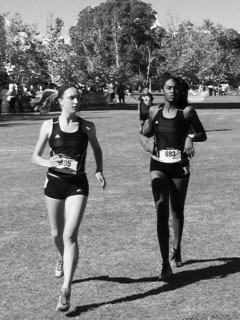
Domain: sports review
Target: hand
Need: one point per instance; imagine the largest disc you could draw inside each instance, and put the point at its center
(55, 160)
(101, 178)
(188, 147)
(146, 143)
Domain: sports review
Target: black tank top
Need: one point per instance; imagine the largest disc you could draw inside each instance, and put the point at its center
(170, 133)
(72, 147)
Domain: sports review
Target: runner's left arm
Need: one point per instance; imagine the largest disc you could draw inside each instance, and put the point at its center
(191, 116)
(91, 131)
(199, 134)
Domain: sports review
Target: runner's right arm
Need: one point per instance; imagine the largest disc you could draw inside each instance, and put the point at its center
(40, 146)
(147, 128)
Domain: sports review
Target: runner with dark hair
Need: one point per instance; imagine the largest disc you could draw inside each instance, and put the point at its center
(170, 125)
(66, 187)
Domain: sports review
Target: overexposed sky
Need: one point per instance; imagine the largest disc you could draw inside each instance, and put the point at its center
(39, 12)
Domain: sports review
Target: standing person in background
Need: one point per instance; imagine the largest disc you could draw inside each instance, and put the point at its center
(111, 91)
(11, 97)
(170, 125)
(66, 187)
(20, 98)
(145, 101)
(121, 93)
(40, 90)
(32, 91)
(129, 93)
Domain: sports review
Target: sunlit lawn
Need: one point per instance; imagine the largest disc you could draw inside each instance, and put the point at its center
(119, 257)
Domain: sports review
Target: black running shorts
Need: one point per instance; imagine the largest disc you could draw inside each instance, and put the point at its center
(62, 188)
(174, 171)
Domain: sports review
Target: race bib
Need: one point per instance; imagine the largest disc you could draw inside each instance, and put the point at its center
(170, 155)
(67, 165)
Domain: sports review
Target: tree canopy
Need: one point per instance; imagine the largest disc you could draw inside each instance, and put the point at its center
(116, 39)
(119, 40)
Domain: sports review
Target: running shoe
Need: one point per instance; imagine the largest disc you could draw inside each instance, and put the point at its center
(59, 268)
(176, 259)
(166, 272)
(64, 300)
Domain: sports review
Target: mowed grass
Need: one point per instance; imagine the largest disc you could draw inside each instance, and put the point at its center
(119, 256)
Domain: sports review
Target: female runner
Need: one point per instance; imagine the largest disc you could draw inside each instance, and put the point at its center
(169, 167)
(66, 187)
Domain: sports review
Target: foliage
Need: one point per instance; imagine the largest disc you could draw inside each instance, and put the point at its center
(206, 53)
(115, 39)
(32, 58)
(56, 52)
(118, 41)
(2, 42)
(24, 61)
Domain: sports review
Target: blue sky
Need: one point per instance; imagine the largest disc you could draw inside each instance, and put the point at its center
(35, 11)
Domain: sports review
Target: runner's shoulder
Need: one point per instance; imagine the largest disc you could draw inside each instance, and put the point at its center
(153, 110)
(46, 127)
(89, 126)
(189, 111)
(47, 124)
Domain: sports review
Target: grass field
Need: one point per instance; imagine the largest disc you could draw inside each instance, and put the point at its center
(119, 256)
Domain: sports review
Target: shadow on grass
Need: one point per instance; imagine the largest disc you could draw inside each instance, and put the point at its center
(216, 105)
(179, 280)
(17, 124)
(212, 130)
(123, 280)
(13, 121)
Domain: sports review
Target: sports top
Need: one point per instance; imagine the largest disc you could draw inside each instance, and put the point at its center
(170, 135)
(145, 102)
(72, 147)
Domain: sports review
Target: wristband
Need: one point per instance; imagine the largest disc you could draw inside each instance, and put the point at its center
(191, 136)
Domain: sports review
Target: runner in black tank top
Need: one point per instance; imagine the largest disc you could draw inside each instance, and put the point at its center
(170, 135)
(66, 187)
(169, 167)
(72, 147)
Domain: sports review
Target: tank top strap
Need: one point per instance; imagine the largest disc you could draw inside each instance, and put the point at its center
(161, 106)
(55, 121)
(157, 113)
(181, 115)
(55, 125)
(81, 125)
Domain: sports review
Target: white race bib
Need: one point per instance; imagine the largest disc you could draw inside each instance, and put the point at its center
(67, 165)
(170, 155)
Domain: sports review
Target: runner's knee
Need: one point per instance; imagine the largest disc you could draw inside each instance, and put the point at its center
(56, 234)
(69, 238)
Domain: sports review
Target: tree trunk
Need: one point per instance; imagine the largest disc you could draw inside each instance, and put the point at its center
(116, 49)
(90, 62)
(149, 64)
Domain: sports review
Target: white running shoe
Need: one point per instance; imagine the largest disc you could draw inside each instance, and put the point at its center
(64, 300)
(59, 268)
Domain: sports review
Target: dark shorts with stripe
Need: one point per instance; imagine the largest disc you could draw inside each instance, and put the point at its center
(173, 171)
(62, 188)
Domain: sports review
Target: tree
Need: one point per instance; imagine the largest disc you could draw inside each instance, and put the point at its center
(118, 41)
(23, 59)
(117, 38)
(55, 52)
(2, 42)
(205, 53)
